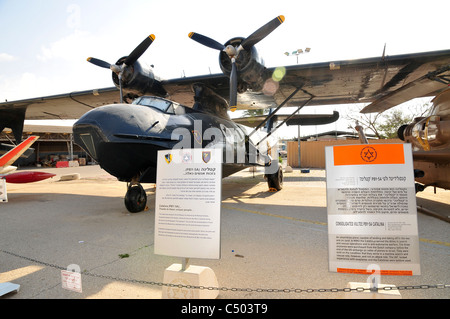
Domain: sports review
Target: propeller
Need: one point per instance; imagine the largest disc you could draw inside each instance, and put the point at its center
(233, 52)
(129, 60)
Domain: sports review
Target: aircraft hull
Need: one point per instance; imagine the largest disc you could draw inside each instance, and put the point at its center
(125, 139)
(132, 158)
(140, 159)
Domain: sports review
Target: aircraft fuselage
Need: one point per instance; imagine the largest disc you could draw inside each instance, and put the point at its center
(125, 138)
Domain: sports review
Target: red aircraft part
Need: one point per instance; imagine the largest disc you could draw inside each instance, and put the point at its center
(27, 177)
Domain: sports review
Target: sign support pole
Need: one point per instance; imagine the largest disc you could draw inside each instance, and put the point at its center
(184, 264)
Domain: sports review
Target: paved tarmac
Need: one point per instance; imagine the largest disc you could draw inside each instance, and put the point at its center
(269, 240)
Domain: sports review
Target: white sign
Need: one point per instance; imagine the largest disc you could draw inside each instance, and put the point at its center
(372, 212)
(71, 280)
(3, 193)
(188, 202)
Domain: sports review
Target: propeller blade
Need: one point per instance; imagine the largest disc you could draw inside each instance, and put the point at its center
(99, 63)
(213, 44)
(233, 85)
(262, 32)
(139, 50)
(120, 88)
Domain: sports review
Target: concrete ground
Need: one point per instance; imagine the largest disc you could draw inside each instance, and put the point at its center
(269, 240)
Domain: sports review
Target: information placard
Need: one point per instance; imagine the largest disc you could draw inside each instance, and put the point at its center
(372, 212)
(188, 202)
(71, 280)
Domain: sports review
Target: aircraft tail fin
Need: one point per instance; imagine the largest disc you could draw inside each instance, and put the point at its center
(11, 156)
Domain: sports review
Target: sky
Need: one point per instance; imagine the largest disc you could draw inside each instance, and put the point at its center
(44, 44)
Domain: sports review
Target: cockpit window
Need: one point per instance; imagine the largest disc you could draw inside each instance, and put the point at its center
(163, 105)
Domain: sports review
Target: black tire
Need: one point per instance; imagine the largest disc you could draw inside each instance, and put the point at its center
(135, 199)
(275, 180)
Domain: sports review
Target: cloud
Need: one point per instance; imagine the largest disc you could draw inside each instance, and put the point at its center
(25, 85)
(67, 48)
(5, 57)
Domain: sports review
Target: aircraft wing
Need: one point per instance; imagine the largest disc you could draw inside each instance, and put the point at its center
(383, 81)
(364, 81)
(62, 106)
(370, 80)
(12, 155)
(429, 84)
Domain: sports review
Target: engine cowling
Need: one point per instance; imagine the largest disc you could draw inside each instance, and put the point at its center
(250, 67)
(138, 80)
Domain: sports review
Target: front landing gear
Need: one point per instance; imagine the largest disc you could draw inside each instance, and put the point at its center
(275, 180)
(135, 198)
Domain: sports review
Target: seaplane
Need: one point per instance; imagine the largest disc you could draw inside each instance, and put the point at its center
(122, 127)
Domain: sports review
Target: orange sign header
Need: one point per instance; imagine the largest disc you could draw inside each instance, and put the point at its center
(368, 154)
(382, 272)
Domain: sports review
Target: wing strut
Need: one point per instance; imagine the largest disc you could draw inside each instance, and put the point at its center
(276, 110)
(272, 114)
(289, 117)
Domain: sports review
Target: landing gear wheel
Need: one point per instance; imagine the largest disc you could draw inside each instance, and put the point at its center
(135, 198)
(275, 181)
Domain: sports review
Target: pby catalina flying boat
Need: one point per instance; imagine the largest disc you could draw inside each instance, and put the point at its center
(6, 169)
(126, 124)
(138, 131)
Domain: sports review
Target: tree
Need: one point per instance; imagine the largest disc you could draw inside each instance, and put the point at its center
(392, 121)
(386, 124)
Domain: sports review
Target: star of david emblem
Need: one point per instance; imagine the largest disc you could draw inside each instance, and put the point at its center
(368, 154)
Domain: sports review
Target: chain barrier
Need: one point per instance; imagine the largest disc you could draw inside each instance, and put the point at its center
(258, 290)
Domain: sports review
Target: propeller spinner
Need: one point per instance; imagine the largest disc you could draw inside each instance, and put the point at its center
(129, 60)
(233, 51)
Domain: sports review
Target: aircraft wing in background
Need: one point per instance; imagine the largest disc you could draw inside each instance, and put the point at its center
(10, 157)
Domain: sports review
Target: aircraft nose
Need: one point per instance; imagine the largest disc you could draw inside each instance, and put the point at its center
(87, 135)
(118, 123)
(94, 128)
(120, 118)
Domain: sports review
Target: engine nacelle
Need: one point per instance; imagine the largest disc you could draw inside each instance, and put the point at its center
(250, 67)
(138, 80)
(432, 132)
(426, 133)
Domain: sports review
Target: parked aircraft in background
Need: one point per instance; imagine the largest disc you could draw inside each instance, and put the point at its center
(6, 168)
(13, 154)
(430, 139)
